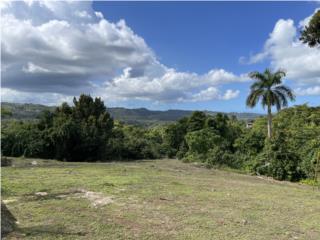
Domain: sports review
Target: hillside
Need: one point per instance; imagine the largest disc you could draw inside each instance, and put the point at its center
(154, 200)
(138, 116)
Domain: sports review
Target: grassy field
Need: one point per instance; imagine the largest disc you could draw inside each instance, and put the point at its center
(162, 199)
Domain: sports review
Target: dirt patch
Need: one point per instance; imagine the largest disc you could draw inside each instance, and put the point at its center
(96, 199)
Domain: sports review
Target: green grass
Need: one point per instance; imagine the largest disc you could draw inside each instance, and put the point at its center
(162, 199)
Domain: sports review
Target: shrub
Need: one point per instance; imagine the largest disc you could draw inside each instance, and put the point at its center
(277, 161)
(202, 140)
(219, 156)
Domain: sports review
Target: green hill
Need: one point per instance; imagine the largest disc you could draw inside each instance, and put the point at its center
(137, 116)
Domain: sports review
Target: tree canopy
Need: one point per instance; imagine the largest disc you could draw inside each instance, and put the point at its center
(311, 32)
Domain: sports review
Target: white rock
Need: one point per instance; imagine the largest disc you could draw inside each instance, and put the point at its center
(41, 194)
(34, 163)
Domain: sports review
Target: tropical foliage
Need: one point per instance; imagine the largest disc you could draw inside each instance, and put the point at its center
(86, 132)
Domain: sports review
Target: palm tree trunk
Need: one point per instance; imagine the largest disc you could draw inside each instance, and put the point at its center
(269, 122)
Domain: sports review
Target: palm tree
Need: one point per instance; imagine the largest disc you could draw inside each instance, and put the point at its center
(270, 91)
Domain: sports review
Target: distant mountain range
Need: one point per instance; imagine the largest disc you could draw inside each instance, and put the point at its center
(137, 116)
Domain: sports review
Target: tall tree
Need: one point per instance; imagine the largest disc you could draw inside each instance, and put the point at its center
(311, 33)
(269, 89)
(196, 121)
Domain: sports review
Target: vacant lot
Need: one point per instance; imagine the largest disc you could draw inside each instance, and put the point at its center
(163, 199)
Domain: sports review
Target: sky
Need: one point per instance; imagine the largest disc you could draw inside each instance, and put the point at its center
(158, 55)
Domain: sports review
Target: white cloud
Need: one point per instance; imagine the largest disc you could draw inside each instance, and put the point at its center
(82, 14)
(47, 98)
(172, 86)
(230, 94)
(64, 48)
(57, 49)
(206, 95)
(308, 91)
(212, 93)
(32, 68)
(99, 14)
(285, 51)
(221, 76)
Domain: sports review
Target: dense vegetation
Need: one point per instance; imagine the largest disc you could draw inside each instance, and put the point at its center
(87, 132)
(83, 132)
(291, 154)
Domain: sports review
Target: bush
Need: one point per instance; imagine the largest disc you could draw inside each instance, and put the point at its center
(202, 141)
(247, 147)
(219, 156)
(277, 161)
(193, 157)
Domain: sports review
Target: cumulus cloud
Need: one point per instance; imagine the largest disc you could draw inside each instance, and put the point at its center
(171, 86)
(39, 55)
(230, 94)
(64, 48)
(213, 93)
(308, 91)
(285, 51)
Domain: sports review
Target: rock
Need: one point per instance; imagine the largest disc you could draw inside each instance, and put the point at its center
(97, 199)
(9, 200)
(8, 221)
(41, 194)
(244, 221)
(34, 163)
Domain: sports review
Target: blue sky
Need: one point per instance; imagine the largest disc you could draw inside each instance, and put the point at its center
(193, 36)
(181, 37)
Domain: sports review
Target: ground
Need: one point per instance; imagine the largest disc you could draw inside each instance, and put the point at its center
(161, 199)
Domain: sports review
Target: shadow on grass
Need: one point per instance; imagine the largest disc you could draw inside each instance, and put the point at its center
(50, 196)
(48, 230)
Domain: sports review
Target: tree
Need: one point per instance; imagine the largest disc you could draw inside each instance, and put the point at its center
(174, 136)
(93, 125)
(270, 91)
(196, 121)
(311, 33)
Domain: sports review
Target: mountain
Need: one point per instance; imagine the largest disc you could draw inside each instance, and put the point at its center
(137, 116)
(22, 111)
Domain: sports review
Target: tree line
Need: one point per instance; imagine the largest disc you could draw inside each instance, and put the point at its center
(86, 132)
